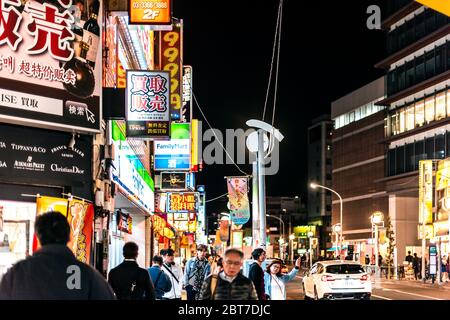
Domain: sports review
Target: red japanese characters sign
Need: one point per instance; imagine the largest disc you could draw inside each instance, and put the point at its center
(50, 44)
(148, 104)
(182, 202)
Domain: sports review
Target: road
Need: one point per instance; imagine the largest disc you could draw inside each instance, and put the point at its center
(387, 290)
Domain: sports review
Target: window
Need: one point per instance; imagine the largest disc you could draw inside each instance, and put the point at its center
(440, 106)
(420, 113)
(429, 64)
(391, 157)
(420, 69)
(420, 153)
(429, 148)
(402, 121)
(410, 117)
(409, 69)
(439, 147)
(429, 109)
(409, 157)
(440, 59)
(448, 103)
(395, 124)
(400, 160)
(345, 269)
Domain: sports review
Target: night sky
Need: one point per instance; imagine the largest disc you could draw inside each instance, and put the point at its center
(326, 52)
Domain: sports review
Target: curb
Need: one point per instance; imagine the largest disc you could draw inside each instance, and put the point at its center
(414, 284)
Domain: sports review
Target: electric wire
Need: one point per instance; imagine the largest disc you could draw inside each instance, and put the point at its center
(216, 198)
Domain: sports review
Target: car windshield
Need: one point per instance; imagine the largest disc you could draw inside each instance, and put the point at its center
(345, 269)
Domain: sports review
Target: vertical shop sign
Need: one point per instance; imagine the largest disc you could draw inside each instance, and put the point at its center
(171, 44)
(238, 196)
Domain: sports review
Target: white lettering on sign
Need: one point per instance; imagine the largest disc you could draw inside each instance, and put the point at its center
(30, 102)
(3, 164)
(18, 147)
(2, 145)
(73, 169)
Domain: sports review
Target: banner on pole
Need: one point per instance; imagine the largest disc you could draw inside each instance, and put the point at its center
(238, 197)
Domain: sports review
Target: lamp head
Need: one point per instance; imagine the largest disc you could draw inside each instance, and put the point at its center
(313, 185)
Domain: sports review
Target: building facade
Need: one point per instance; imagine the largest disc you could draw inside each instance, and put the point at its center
(358, 163)
(320, 171)
(418, 110)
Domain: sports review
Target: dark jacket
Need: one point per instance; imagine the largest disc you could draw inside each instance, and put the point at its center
(241, 288)
(122, 277)
(256, 274)
(53, 273)
(160, 280)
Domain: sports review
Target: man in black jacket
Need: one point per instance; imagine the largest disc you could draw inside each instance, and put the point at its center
(53, 272)
(256, 273)
(128, 280)
(229, 284)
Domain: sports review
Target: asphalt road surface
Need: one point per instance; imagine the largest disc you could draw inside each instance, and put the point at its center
(387, 290)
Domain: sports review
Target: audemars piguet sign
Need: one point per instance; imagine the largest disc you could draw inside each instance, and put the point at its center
(50, 64)
(35, 156)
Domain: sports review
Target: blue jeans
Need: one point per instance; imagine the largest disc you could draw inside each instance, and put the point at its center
(190, 292)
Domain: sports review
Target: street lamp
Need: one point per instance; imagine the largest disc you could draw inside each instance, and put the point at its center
(336, 229)
(377, 218)
(310, 235)
(291, 242)
(282, 222)
(314, 186)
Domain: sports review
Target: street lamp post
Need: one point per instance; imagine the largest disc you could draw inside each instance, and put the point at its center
(336, 229)
(282, 223)
(310, 235)
(376, 219)
(291, 241)
(314, 186)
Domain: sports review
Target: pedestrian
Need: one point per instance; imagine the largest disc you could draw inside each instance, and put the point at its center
(160, 280)
(128, 280)
(409, 258)
(415, 265)
(197, 269)
(230, 284)
(256, 272)
(444, 268)
(380, 260)
(53, 272)
(216, 266)
(175, 274)
(366, 260)
(275, 281)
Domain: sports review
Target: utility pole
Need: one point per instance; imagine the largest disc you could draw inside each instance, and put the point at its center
(255, 203)
(261, 189)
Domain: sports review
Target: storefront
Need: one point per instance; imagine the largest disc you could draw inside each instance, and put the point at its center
(36, 162)
(133, 200)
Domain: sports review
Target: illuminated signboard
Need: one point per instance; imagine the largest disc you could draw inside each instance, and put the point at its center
(171, 44)
(155, 12)
(51, 64)
(186, 109)
(426, 191)
(174, 154)
(147, 104)
(182, 202)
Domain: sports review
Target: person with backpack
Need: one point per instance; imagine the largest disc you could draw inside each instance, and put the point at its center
(256, 273)
(128, 280)
(160, 280)
(175, 274)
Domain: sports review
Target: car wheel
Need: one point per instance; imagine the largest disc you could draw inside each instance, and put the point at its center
(316, 296)
(304, 292)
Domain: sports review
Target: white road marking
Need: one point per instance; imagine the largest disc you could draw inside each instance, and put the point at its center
(412, 294)
(384, 298)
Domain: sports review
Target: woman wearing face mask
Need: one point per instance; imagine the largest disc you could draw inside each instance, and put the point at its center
(275, 281)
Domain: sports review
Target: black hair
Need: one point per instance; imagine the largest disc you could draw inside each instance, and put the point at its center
(168, 252)
(275, 261)
(202, 247)
(130, 250)
(158, 260)
(52, 228)
(235, 251)
(257, 253)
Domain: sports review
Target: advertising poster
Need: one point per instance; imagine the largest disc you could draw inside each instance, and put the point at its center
(238, 197)
(173, 181)
(125, 222)
(148, 104)
(155, 12)
(426, 191)
(80, 215)
(51, 64)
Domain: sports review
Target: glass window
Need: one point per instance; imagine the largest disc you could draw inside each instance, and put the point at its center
(345, 269)
(429, 109)
(448, 102)
(401, 78)
(440, 106)
(420, 69)
(420, 26)
(352, 117)
(400, 160)
(395, 123)
(419, 151)
(439, 147)
(409, 157)
(429, 148)
(410, 117)
(358, 114)
(409, 70)
(448, 144)
(429, 64)
(402, 120)
(420, 113)
(440, 59)
(391, 157)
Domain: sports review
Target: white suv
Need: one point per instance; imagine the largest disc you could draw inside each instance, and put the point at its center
(337, 280)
